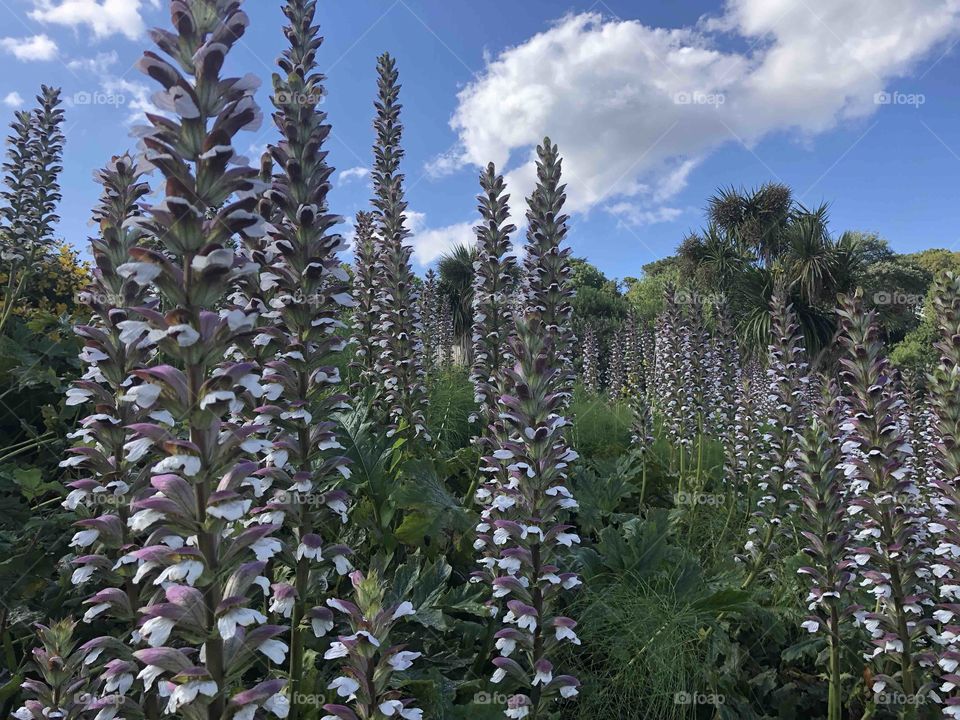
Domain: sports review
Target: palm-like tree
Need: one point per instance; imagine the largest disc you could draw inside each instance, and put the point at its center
(759, 239)
(456, 286)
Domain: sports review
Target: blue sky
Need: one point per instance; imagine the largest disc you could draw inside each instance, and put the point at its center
(654, 105)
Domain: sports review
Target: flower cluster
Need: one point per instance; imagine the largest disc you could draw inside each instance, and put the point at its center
(616, 374)
(366, 312)
(447, 333)
(669, 391)
(370, 665)
(723, 374)
(493, 285)
(398, 364)
(188, 536)
(59, 688)
(110, 458)
(28, 215)
(887, 542)
(826, 527)
(547, 263)
(305, 465)
(635, 343)
(522, 533)
(945, 472)
(428, 307)
(787, 379)
(590, 362)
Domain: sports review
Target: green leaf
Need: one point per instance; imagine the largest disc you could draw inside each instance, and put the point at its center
(30, 481)
(422, 584)
(11, 687)
(434, 510)
(725, 600)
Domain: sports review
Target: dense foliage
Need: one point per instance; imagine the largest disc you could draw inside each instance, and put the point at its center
(243, 479)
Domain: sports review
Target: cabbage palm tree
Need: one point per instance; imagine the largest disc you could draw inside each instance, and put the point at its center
(762, 238)
(456, 284)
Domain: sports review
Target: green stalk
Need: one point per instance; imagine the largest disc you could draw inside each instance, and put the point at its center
(834, 696)
(296, 639)
(643, 482)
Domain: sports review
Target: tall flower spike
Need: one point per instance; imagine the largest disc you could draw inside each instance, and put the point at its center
(590, 362)
(731, 405)
(58, 688)
(30, 199)
(825, 525)
(547, 261)
(366, 312)
(308, 270)
(401, 390)
(48, 118)
(428, 306)
(523, 532)
(114, 349)
(725, 373)
(635, 364)
(18, 195)
(944, 386)
(493, 287)
(616, 367)
(743, 451)
(694, 371)
(669, 391)
(894, 569)
(369, 662)
(446, 333)
(787, 379)
(203, 629)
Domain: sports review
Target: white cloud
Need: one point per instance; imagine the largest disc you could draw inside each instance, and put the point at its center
(635, 108)
(355, 173)
(430, 243)
(636, 215)
(100, 64)
(133, 95)
(445, 164)
(13, 100)
(37, 47)
(104, 18)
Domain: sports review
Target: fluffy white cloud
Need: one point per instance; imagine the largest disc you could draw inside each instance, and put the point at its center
(355, 173)
(134, 96)
(130, 96)
(37, 47)
(636, 215)
(100, 64)
(13, 100)
(104, 18)
(634, 108)
(430, 243)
